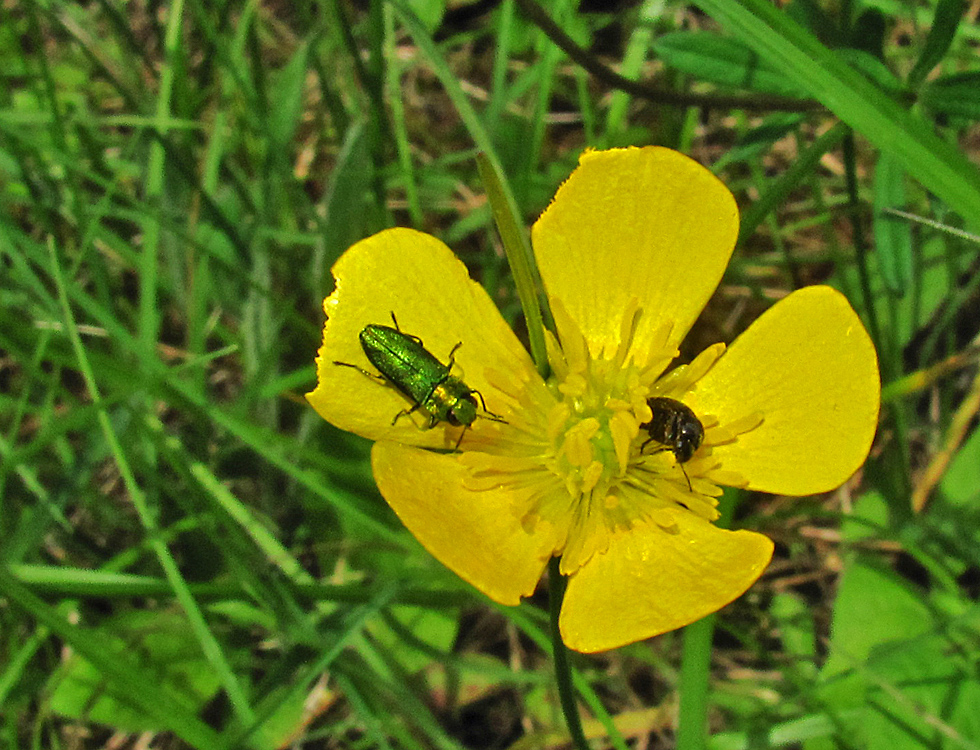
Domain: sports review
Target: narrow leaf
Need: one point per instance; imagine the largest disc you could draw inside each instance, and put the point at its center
(893, 235)
(287, 99)
(956, 95)
(944, 25)
(938, 165)
(722, 60)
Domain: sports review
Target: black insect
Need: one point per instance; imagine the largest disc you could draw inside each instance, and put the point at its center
(676, 428)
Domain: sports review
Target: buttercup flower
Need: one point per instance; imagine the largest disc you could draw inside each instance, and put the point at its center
(629, 251)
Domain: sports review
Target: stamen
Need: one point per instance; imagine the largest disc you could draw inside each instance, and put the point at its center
(591, 476)
(557, 419)
(623, 427)
(655, 360)
(627, 329)
(577, 447)
(556, 358)
(720, 434)
(574, 386)
(573, 344)
(682, 378)
(704, 362)
(727, 478)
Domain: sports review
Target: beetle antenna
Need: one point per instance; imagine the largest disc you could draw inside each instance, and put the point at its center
(689, 486)
(452, 355)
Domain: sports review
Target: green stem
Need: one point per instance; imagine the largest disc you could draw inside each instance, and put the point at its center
(502, 201)
(692, 715)
(692, 724)
(563, 668)
(519, 256)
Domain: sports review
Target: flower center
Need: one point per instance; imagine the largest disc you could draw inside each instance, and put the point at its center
(593, 424)
(580, 453)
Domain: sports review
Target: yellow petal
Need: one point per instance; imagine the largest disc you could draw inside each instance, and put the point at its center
(473, 533)
(416, 277)
(808, 366)
(639, 223)
(654, 579)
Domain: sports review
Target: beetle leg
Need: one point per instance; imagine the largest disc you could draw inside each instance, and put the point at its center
(380, 378)
(416, 339)
(487, 413)
(407, 412)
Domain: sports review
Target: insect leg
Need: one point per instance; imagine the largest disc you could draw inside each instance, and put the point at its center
(379, 378)
(652, 440)
(407, 412)
(394, 320)
(489, 414)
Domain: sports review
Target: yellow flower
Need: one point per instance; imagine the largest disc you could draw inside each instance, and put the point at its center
(629, 251)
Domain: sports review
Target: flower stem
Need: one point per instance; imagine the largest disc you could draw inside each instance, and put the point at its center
(519, 256)
(692, 724)
(563, 668)
(692, 715)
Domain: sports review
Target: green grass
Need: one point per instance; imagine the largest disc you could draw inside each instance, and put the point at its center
(187, 550)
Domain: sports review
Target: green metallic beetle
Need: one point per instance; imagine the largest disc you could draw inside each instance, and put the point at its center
(406, 364)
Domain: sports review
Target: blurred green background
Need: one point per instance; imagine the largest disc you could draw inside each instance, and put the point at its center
(191, 558)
